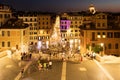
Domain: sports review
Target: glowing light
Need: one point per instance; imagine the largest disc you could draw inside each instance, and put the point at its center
(78, 47)
(68, 31)
(92, 9)
(65, 23)
(39, 45)
(104, 36)
(47, 43)
(102, 44)
(23, 48)
(98, 36)
(71, 43)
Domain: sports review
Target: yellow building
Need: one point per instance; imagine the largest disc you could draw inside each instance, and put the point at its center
(101, 33)
(73, 33)
(14, 35)
(30, 18)
(44, 28)
(40, 26)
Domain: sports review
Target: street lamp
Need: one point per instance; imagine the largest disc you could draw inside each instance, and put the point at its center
(102, 45)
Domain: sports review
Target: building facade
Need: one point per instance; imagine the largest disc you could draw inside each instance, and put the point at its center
(5, 13)
(101, 33)
(14, 35)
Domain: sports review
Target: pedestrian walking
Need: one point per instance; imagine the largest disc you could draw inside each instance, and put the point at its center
(22, 72)
(40, 66)
(50, 64)
(45, 66)
(30, 55)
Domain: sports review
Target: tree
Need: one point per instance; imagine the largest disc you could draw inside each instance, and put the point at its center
(97, 48)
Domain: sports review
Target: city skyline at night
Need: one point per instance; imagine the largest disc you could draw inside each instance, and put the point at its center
(62, 5)
(71, 39)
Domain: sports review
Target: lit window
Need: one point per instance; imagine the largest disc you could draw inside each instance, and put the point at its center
(98, 36)
(103, 35)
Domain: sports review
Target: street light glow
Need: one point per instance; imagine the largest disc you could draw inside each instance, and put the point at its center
(98, 36)
(102, 44)
(104, 36)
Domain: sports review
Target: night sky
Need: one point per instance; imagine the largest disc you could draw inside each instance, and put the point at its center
(63, 5)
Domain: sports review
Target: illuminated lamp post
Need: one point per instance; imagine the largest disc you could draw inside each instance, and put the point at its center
(102, 45)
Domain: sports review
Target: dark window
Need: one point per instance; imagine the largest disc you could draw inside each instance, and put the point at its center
(3, 33)
(1, 16)
(93, 35)
(103, 25)
(8, 33)
(5, 15)
(71, 26)
(116, 34)
(23, 33)
(98, 24)
(35, 32)
(109, 35)
(31, 19)
(8, 44)
(3, 44)
(98, 33)
(26, 20)
(116, 46)
(103, 17)
(109, 46)
(76, 30)
(35, 20)
(103, 33)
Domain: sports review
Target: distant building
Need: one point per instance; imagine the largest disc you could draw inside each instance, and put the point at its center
(44, 28)
(5, 13)
(101, 33)
(14, 35)
(79, 29)
(40, 26)
(30, 19)
(72, 35)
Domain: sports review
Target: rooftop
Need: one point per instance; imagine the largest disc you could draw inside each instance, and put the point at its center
(14, 23)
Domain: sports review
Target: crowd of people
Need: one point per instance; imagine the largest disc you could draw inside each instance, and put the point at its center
(44, 65)
(26, 56)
